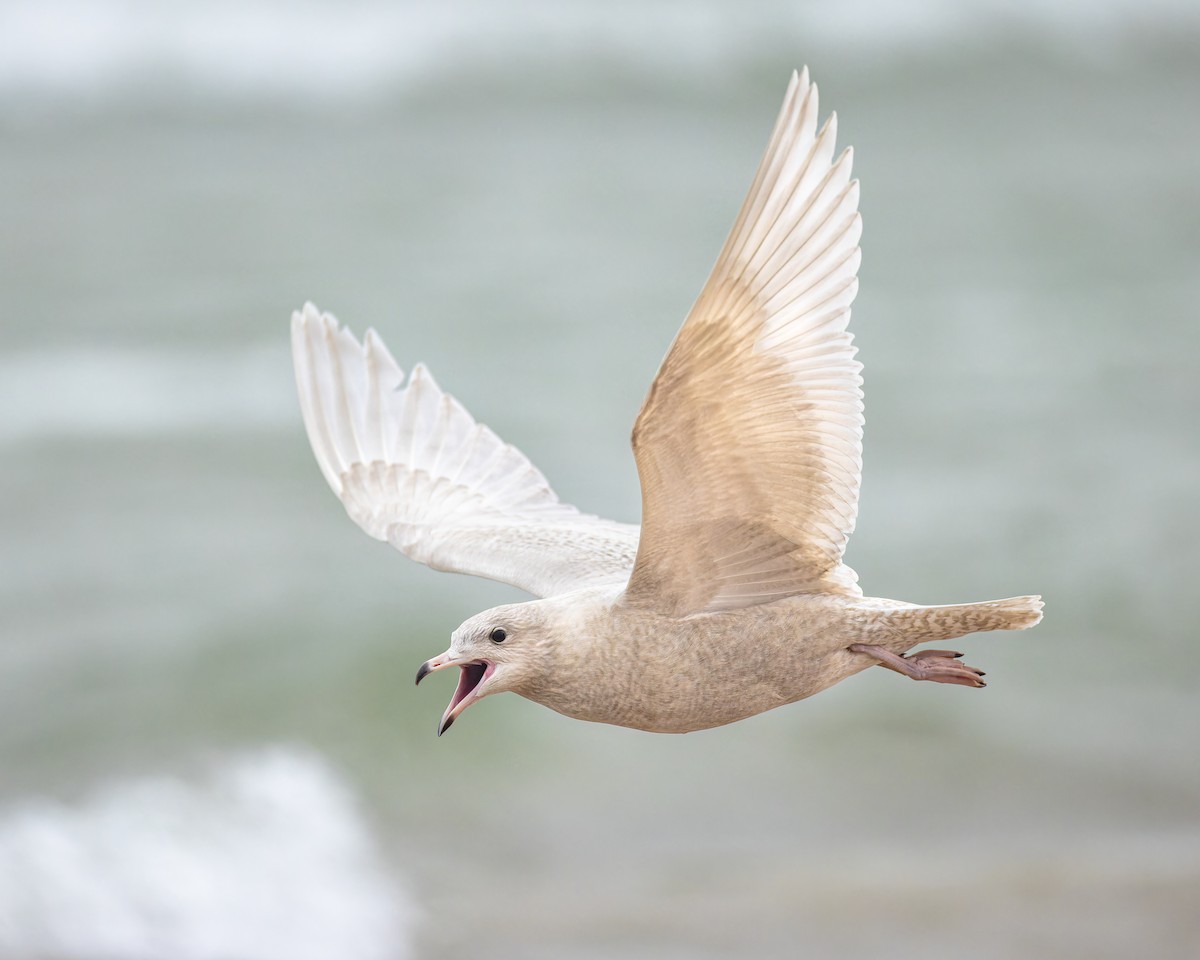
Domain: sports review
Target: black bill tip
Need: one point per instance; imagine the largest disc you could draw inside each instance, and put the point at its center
(445, 725)
(423, 671)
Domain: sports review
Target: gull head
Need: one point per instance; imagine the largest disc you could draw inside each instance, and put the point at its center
(505, 648)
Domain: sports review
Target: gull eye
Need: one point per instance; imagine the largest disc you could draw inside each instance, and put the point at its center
(498, 635)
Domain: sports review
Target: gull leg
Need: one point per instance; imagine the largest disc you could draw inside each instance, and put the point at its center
(940, 666)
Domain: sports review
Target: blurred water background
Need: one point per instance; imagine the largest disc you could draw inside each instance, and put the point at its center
(210, 745)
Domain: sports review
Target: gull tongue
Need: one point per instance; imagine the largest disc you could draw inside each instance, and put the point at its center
(469, 677)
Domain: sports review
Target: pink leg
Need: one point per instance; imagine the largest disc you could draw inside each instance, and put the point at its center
(940, 666)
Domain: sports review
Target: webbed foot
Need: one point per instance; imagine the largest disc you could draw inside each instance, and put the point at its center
(940, 666)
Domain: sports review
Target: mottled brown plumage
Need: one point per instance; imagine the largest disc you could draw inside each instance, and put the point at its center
(732, 598)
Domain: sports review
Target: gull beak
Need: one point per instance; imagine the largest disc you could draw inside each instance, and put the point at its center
(472, 676)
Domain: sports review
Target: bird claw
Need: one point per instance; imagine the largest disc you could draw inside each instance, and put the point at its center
(926, 654)
(939, 666)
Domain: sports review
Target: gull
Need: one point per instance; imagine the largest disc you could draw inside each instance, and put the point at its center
(732, 597)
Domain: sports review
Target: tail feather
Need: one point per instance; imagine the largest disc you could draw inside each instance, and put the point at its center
(959, 619)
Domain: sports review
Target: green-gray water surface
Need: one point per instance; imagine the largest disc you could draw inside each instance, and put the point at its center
(178, 586)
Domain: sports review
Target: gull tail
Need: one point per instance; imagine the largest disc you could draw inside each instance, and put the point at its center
(959, 619)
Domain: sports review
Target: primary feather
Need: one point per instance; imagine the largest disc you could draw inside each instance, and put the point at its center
(749, 444)
(412, 467)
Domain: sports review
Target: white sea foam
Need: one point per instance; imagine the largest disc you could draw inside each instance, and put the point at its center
(267, 859)
(93, 391)
(321, 48)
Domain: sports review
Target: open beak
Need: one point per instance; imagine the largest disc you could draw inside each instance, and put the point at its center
(472, 675)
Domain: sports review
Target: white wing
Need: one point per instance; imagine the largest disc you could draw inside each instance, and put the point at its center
(414, 468)
(749, 444)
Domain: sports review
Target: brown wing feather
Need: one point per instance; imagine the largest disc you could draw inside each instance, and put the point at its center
(749, 442)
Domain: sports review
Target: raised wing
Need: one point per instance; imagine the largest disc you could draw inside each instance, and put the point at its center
(412, 467)
(749, 444)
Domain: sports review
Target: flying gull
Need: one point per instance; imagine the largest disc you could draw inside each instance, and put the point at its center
(732, 597)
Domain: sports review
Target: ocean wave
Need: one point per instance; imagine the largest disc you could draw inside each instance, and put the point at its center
(267, 859)
(320, 49)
